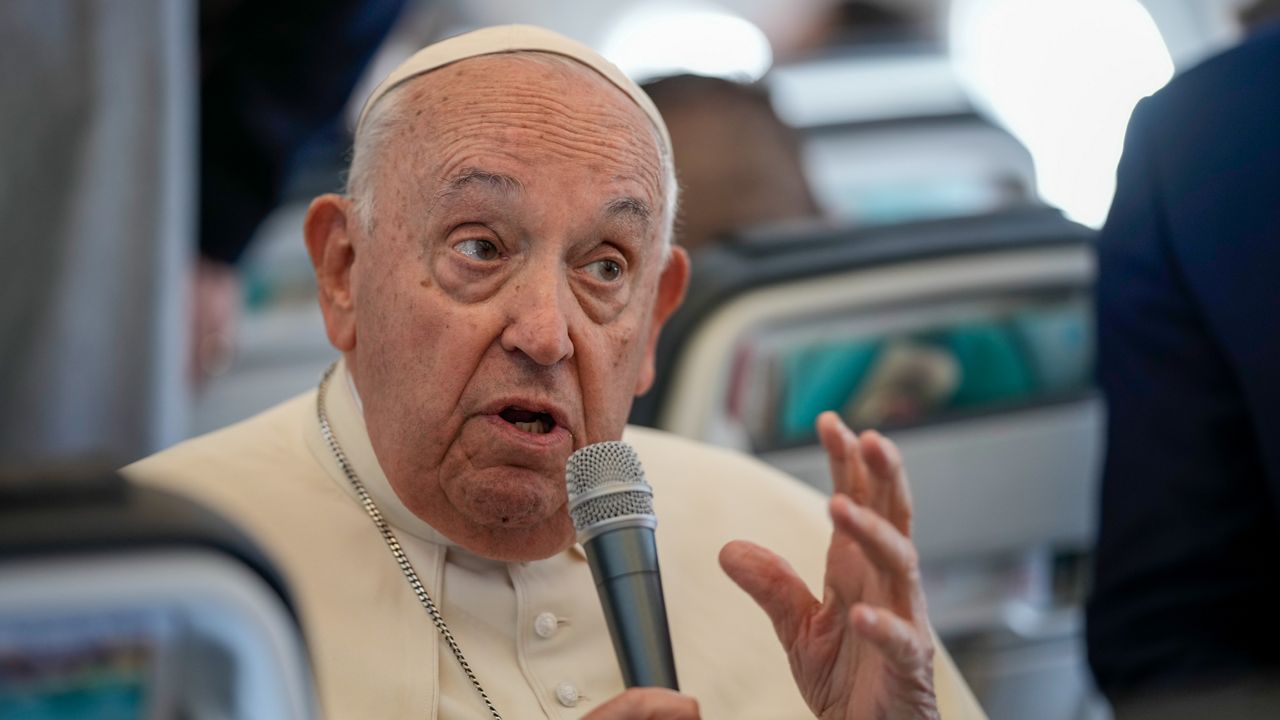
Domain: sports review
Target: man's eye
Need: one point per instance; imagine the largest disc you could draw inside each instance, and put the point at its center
(606, 270)
(477, 249)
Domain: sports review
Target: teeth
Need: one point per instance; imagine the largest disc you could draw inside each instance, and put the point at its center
(536, 426)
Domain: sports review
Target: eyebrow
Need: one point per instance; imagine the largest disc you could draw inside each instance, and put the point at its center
(629, 206)
(475, 176)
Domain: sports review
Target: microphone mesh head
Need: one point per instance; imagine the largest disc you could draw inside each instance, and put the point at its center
(598, 466)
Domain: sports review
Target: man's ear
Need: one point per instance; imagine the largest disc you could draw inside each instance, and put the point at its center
(671, 287)
(327, 229)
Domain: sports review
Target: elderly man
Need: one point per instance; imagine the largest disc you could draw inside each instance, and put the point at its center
(495, 280)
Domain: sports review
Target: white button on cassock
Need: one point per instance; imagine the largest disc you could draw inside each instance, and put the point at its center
(567, 694)
(545, 624)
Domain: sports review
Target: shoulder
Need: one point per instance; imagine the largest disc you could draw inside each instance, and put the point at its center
(1256, 56)
(263, 475)
(1198, 157)
(1212, 99)
(241, 460)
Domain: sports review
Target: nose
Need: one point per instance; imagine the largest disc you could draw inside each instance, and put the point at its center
(538, 318)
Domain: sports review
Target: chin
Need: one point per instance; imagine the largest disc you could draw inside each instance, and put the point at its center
(513, 515)
(523, 544)
(508, 498)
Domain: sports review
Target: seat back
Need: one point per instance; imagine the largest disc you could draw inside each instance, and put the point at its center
(968, 341)
(123, 601)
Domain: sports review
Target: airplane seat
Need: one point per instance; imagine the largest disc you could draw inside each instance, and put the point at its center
(969, 341)
(120, 601)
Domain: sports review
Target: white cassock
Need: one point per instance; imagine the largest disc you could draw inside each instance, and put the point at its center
(533, 632)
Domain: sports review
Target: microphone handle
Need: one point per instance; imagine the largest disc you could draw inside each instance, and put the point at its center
(624, 563)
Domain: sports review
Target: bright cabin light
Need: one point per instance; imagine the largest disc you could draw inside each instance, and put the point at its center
(1063, 76)
(655, 39)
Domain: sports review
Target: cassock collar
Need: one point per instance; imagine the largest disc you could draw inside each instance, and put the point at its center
(346, 419)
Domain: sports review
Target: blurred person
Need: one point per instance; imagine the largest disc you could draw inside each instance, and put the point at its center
(1189, 359)
(868, 22)
(273, 77)
(495, 280)
(737, 163)
(97, 149)
(1260, 13)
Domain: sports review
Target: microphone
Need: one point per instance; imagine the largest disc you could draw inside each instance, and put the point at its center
(612, 509)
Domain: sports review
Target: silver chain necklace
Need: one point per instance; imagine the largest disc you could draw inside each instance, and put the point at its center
(392, 543)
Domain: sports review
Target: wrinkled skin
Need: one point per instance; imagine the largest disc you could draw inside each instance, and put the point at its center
(864, 651)
(516, 259)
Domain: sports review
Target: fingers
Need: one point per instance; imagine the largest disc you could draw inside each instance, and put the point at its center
(886, 547)
(849, 474)
(885, 462)
(902, 644)
(772, 583)
(647, 704)
(867, 468)
(881, 454)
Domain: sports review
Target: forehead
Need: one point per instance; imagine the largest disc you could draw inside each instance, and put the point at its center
(519, 113)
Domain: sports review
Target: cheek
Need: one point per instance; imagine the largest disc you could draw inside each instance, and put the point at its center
(603, 305)
(431, 343)
(609, 362)
(419, 349)
(463, 284)
(413, 322)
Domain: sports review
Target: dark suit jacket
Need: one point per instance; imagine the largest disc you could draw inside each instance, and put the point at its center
(1187, 581)
(273, 76)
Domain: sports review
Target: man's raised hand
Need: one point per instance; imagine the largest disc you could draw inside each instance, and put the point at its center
(865, 649)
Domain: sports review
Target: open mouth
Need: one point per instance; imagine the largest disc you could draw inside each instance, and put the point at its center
(530, 421)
